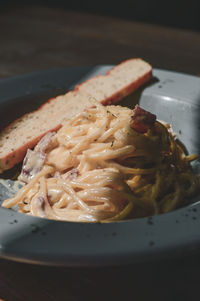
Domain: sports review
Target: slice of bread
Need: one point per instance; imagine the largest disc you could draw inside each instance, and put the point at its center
(110, 88)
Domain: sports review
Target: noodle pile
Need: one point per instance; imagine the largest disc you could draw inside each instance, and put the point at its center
(97, 167)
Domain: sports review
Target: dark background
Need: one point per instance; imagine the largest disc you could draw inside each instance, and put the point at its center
(180, 14)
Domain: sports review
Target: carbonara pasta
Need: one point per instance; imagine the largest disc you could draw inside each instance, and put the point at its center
(106, 164)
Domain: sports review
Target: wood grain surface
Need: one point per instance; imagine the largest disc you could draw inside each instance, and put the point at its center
(169, 280)
(33, 38)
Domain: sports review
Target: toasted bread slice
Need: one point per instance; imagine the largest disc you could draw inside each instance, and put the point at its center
(110, 88)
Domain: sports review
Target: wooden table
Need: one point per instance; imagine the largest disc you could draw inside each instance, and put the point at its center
(35, 38)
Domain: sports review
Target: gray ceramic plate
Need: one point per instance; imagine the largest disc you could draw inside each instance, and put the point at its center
(175, 98)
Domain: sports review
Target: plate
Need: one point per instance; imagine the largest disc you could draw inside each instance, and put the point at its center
(174, 98)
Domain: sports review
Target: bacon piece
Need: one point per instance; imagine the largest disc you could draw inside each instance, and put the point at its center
(32, 164)
(46, 143)
(35, 159)
(142, 120)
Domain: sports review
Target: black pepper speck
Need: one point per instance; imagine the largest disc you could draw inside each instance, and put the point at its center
(13, 222)
(151, 243)
(35, 228)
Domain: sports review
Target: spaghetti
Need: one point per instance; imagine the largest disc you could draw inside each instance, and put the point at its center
(106, 164)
